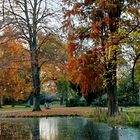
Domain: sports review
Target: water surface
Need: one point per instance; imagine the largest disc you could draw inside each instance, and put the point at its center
(63, 128)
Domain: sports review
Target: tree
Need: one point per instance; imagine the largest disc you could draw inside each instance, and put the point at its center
(13, 67)
(63, 89)
(98, 22)
(29, 17)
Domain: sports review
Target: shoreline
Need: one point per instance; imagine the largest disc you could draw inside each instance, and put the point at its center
(131, 119)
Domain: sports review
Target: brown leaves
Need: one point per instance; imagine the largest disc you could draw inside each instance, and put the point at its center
(52, 112)
(71, 48)
(88, 2)
(86, 70)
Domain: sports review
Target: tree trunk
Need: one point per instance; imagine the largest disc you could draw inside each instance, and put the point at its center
(112, 101)
(89, 98)
(12, 102)
(35, 78)
(1, 101)
(114, 16)
(112, 86)
(36, 103)
(62, 100)
(36, 87)
(0, 104)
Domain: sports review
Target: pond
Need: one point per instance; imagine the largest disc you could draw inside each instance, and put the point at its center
(63, 128)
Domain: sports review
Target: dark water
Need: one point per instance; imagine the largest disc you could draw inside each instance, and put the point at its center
(66, 128)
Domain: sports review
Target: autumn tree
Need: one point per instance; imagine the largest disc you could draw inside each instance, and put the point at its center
(98, 24)
(13, 67)
(29, 17)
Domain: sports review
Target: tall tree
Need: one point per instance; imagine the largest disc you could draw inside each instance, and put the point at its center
(98, 22)
(29, 17)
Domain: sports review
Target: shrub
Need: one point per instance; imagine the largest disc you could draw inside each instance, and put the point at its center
(75, 101)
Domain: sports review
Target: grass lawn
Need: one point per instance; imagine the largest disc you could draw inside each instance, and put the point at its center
(21, 111)
(56, 106)
(9, 108)
(133, 109)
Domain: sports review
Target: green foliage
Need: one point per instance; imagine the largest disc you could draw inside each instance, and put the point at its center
(137, 73)
(132, 119)
(75, 101)
(63, 88)
(102, 101)
(125, 94)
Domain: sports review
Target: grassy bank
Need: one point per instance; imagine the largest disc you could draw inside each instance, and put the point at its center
(128, 116)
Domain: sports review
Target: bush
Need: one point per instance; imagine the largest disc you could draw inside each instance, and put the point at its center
(75, 101)
(82, 103)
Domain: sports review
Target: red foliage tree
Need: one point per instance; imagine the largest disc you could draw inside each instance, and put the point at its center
(98, 22)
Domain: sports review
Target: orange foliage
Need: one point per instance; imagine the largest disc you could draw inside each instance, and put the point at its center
(71, 48)
(86, 70)
(13, 67)
(101, 21)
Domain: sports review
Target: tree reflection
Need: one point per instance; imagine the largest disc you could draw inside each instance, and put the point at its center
(114, 133)
(94, 131)
(48, 128)
(34, 126)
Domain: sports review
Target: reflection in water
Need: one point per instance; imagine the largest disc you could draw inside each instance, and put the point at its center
(48, 128)
(114, 134)
(66, 128)
(35, 128)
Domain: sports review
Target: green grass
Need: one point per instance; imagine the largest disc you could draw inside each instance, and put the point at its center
(133, 108)
(9, 108)
(55, 106)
